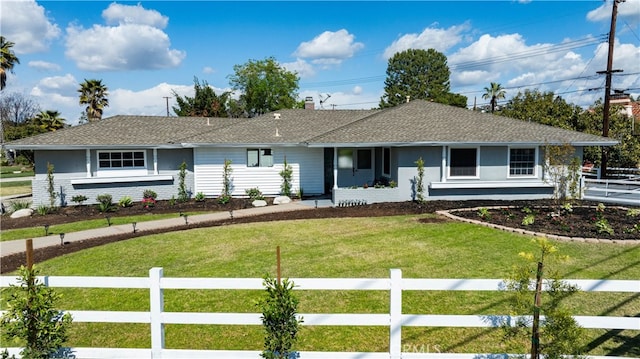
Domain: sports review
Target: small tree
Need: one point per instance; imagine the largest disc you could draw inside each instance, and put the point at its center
(51, 186)
(559, 334)
(562, 169)
(31, 319)
(225, 196)
(279, 309)
(183, 195)
(420, 180)
(287, 179)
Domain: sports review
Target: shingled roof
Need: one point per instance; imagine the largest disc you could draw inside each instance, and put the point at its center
(416, 123)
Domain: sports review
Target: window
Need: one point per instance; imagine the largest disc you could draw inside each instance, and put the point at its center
(121, 159)
(259, 157)
(463, 162)
(364, 159)
(386, 161)
(522, 162)
(345, 158)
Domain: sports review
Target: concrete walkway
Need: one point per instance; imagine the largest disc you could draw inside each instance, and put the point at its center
(19, 245)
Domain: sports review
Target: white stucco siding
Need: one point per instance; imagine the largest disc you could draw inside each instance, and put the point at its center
(306, 163)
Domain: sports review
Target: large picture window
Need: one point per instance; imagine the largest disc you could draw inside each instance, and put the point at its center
(259, 157)
(121, 159)
(522, 162)
(463, 162)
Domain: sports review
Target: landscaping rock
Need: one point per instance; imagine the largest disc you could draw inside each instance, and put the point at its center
(25, 212)
(281, 200)
(259, 203)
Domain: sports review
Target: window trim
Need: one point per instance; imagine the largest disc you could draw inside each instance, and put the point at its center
(477, 175)
(121, 168)
(535, 162)
(261, 156)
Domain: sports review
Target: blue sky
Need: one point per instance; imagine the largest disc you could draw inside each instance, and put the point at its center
(142, 51)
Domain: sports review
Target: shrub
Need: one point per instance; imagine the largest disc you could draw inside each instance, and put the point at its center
(50, 186)
(147, 193)
(18, 205)
(183, 195)
(287, 179)
(393, 184)
(125, 201)
(79, 199)
(633, 212)
(224, 199)
(254, 193)
(148, 202)
(420, 180)
(200, 197)
(529, 219)
(105, 203)
(279, 309)
(603, 226)
(43, 210)
(484, 213)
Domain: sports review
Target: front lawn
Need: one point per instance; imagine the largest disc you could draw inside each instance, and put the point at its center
(348, 247)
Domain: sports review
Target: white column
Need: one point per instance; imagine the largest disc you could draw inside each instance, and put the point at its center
(88, 162)
(335, 168)
(155, 161)
(156, 299)
(443, 166)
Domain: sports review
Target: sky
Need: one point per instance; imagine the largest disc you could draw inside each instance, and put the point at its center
(144, 51)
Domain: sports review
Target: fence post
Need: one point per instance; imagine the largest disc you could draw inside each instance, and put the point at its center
(395, 311)
(156, 304)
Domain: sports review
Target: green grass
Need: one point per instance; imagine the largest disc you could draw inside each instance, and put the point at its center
(32, 232)
(8, 171)
(13, 188)
(360, 247)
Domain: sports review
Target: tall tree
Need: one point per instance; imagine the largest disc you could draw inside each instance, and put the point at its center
(493, 93)
(264, 86)
(49, 120)
(543, 107)
(7, 60)
(204, 103)
(419, 74)
(93, 94)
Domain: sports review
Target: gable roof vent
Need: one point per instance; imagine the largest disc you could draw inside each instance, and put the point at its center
(276, 116)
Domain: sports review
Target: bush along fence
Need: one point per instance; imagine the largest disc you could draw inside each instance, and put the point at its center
(395, 320)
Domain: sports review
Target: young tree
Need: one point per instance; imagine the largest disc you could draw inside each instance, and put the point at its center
(493, 93)
(205, 102)
(31, 319)
(558, 335)
(8, 60)
(279, 319)
(264, 86)
(93, 94)
(419, 74)
(562, 169)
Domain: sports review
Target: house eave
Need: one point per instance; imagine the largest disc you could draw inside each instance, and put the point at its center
(89, 147)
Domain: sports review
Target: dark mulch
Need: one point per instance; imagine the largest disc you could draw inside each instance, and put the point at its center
(78, 213)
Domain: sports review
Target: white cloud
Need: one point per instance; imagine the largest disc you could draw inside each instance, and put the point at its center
(357, 90)
(301, 67)
(123, 47)
(59, 93)
(329, 48)
(208, 70)
(463, 78)
(135, 14)
(26, 24)
(627, 11)
(66, 85)
(44, 66)
(430, 38)
(136, 43)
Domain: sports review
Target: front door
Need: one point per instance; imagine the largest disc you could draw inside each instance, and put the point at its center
(355, 167)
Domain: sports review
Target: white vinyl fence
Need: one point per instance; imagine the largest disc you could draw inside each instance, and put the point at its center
(395, 320)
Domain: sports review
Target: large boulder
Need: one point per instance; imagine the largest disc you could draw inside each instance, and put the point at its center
(259, 203)
(25, 212)
(281, 200)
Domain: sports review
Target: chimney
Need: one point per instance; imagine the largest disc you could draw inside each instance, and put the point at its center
(308, 103)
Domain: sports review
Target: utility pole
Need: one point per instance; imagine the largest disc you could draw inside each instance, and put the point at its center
(167, 98)
(607, 87)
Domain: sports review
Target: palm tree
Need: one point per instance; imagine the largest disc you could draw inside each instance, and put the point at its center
(494, 92)
(49, 120)
(7, 60)
(93, 94)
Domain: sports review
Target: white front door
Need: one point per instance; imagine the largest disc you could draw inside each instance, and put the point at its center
(355, 167)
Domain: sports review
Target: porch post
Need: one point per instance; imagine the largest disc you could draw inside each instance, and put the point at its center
(335, 168)
(443, 172)
(87, 160)
(155, 161)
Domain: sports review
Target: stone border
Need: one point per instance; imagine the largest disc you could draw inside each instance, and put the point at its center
(447, 213)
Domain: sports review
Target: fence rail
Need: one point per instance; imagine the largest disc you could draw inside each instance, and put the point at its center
(625, 192)
(395, 319)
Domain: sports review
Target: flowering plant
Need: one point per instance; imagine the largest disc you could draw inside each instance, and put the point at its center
(148, 202)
